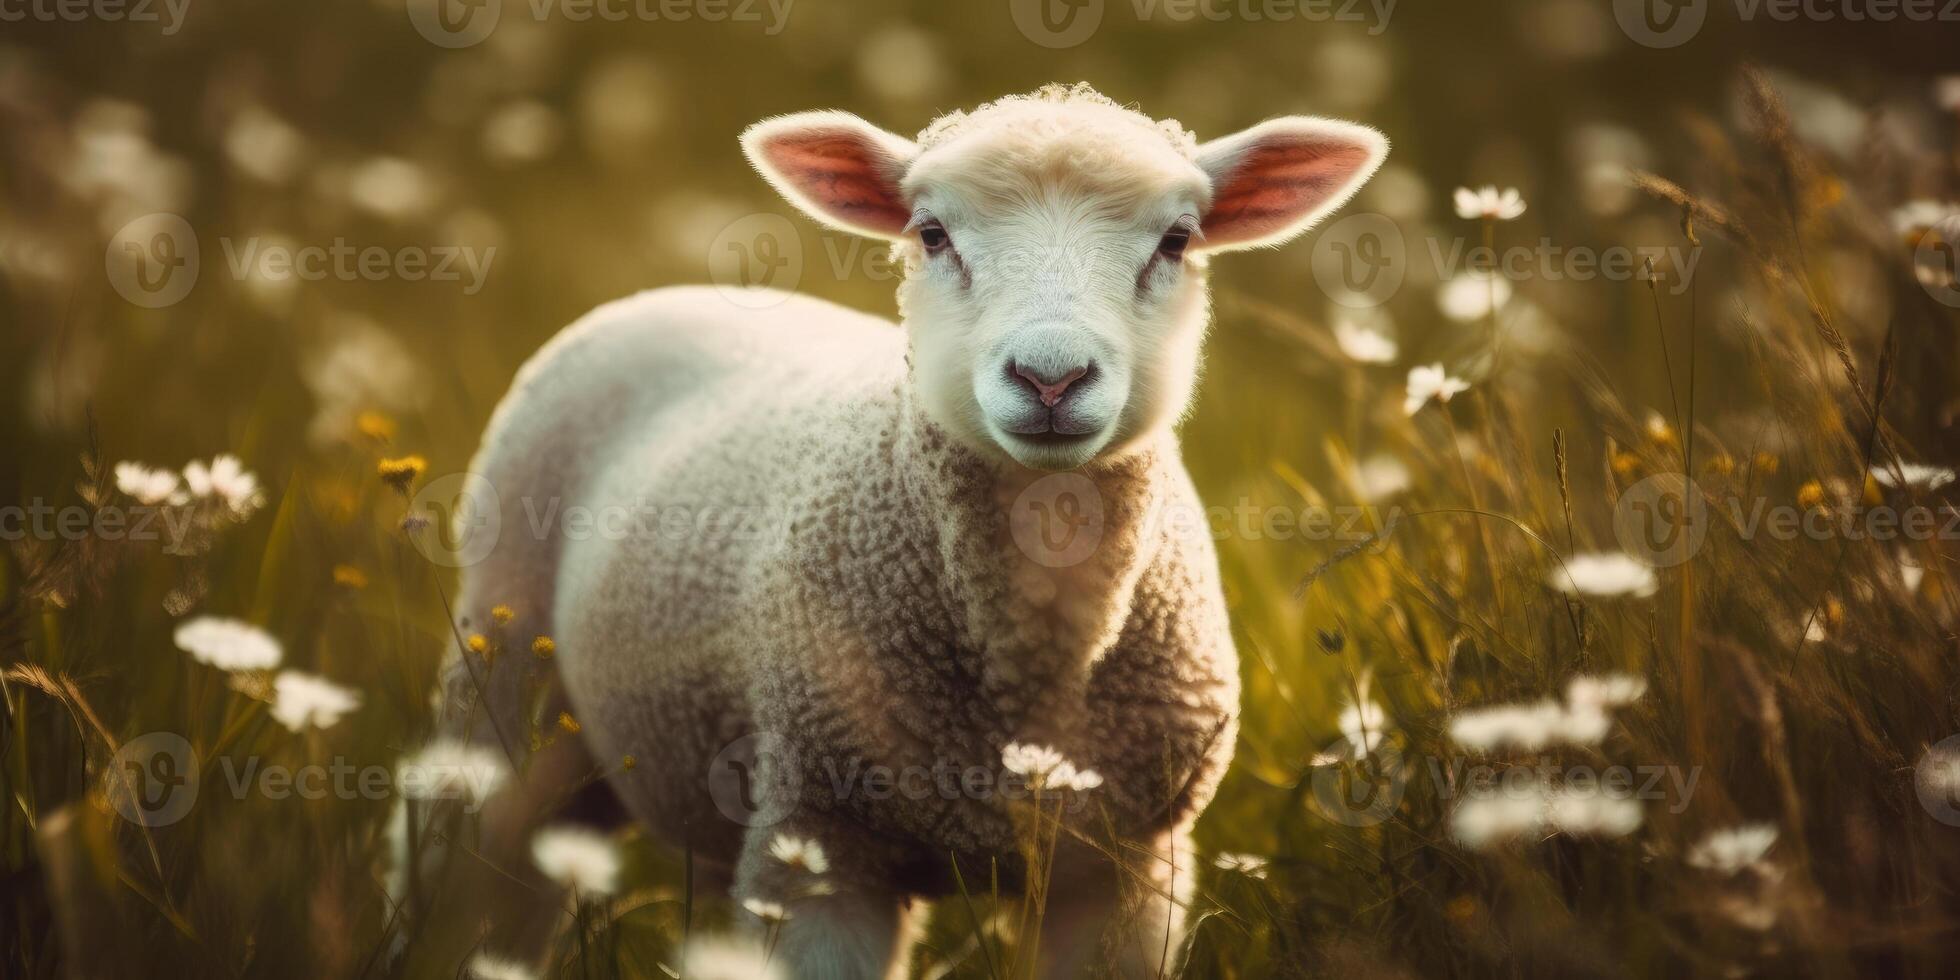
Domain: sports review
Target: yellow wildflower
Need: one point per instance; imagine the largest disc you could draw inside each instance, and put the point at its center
(544, 647)
(502, 614)
(350, 577)
(402, 472)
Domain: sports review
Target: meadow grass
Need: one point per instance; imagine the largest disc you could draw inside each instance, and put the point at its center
(1803, 684)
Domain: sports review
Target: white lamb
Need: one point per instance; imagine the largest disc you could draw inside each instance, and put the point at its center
(824, 544)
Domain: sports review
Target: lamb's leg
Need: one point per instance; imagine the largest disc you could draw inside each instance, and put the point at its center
(1124, 921)
(839, 927)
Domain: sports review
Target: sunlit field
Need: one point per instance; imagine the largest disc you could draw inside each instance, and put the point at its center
(1583, 489)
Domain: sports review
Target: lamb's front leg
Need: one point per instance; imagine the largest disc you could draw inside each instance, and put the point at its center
(1127, 921)
(841, 924)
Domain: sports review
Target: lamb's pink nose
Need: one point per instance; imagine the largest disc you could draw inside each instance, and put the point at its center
(1050, 391)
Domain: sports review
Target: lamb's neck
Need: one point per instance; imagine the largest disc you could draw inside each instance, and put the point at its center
(1040, 566)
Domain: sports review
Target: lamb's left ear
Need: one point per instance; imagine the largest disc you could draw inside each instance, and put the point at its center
(1273, 181)
(837, 168)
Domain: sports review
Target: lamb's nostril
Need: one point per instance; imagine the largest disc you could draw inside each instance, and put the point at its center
(1049, 388)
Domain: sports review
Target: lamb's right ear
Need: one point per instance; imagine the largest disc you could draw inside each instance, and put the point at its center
(839, 169)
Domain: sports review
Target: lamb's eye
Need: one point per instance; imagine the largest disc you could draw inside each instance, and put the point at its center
(933, 236)
(1174, 242)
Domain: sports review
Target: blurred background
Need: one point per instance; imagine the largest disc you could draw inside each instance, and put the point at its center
(513, 164)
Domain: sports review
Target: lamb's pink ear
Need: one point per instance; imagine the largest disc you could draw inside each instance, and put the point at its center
(1273, 181)
(839, 169)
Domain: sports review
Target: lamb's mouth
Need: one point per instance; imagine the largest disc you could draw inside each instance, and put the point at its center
(1050, 437)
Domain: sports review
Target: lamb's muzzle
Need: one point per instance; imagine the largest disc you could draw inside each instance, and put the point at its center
(934, 593)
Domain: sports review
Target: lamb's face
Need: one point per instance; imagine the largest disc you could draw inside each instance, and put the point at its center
(1055, 251)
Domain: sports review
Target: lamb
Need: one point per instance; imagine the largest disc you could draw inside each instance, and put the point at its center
(826, 543)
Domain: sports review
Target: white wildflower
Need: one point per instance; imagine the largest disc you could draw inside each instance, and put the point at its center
(1362, 725)
(227, 644)
(1250, 865)
(484, 966)
(1917, 217)
(1363, 344)
(1489, 202)
(449, 768)
(766, 910)
(148, 486)
(1592, 813)
(1380, 477)
(1067, 776)
(1605, 690)
(728, 958)
(1523, 726)
(577, 858)
(1470, 297)
(1482, 821)
(225, 479)
(1032, 761)
(1729, 851)
(1911, 573)
(391, 188)
(302, 701)
(799, 852)
(1431, 381)
(1919, 476)
(1605, 574)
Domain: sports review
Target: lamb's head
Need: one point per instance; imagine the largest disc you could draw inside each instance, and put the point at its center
(1055, 249)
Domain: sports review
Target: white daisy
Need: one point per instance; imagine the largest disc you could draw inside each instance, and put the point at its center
(1067, 776)
(728, 958)
(449, 768)
(1605, 574)
(1431, 381)
(1469, 298)
(1032, 761)
(148, 486)
(1523, 726)
(799, 852)
(1483, 821)
(1592, 813)
(1363, 344)
(1729, 851)
(484, 966)
(577, 858)
(767, 911)
(1605, 690)
(227, 644)
(1489, 202)
(1250, 865)
(1381, 477)
(1362, 725)
(1919, 476)
(227, 479)
(302, 701)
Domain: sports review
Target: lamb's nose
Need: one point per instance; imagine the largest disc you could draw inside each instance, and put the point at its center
(1049, 389)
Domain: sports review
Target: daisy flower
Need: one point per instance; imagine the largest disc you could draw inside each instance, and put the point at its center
(1489, 202)
(148, 486)
(577, 858)
(1471, 297)
(302, 701)
(1605, 574)
(1250, 865)
(1919, 476)
(1362, 344)
(226, 479)
(799, 852)
(1431, 381)
(449, 768)
(227, 644)
(1362, 725)
(1731, 850)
